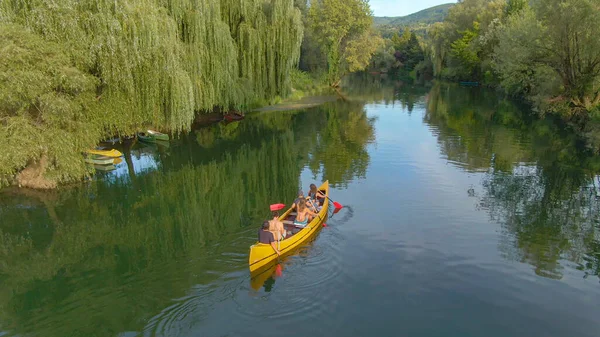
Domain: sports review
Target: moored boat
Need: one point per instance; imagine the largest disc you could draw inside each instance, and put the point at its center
(146, 137)
(99, 160)
(107, 153)
(233, 116)
(262, 255)
(158, 135)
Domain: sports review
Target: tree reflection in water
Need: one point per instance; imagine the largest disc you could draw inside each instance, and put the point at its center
(539, 183)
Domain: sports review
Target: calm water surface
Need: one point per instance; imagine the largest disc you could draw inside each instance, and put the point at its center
(462, 218)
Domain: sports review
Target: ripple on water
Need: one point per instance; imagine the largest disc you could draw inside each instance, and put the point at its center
(302, 294)
(172, 320)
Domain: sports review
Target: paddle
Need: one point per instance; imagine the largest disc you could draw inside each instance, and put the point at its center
(336, 204)
(278, 270)
(317, 212)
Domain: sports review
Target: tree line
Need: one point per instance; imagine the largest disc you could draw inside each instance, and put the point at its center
(544, 51)
(547, 51)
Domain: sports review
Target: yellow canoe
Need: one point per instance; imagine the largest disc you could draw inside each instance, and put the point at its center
(262, 255)
(108, 153)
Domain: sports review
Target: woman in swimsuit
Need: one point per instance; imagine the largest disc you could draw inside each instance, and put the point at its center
(314, 195)
(304, 214)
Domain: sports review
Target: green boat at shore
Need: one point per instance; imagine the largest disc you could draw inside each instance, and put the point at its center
(152, 136)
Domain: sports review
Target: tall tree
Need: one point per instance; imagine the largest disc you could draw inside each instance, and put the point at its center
(343, 29)
(554, 46)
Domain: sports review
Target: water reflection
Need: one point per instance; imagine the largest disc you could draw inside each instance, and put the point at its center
(339, 152)
(539, 183)
(120, 248)
(266, 279)
(156, 245)
(383, 90)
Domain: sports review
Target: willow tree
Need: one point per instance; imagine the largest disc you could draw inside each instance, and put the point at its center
(343, 27)
(150, 62)
(46, 106)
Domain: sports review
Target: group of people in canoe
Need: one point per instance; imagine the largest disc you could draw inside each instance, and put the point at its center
(306, 208)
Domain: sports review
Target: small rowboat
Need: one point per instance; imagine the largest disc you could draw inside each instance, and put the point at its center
(99, 160)
(145, 137)
(107, 153)
(233, 116)
(262, 255)
(158, 135)
(152, 136)
(105, 167)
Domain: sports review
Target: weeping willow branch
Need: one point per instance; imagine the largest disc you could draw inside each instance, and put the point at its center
(144, 62)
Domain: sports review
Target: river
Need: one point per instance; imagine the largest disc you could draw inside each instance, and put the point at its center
(462, 217)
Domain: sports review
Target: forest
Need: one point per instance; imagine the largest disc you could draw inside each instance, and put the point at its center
(546, 52)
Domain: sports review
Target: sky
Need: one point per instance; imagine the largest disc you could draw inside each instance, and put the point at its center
(402, 7)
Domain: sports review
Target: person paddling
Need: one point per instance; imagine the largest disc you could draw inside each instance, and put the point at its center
(314, 194)
(304, 214)
(265, 236)
(297, 200)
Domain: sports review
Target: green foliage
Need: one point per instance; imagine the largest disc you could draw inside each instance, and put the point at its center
(304, 83)
(463, 42)
(466, 52)
(125, 64)
(515, 6)
(313, 58)
(545, 51)
(413, 51)
(516, 60)
(48, 105)
(342, 28)
(548, 52)
(553, 56)
(358, 51)
(401, 42)
(399, 55)
(384, 59)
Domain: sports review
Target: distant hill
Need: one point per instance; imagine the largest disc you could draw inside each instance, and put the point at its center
(424, 17)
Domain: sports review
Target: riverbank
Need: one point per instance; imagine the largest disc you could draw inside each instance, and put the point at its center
(34, 175)
(296, 104)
